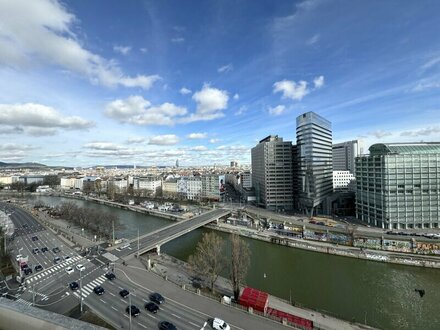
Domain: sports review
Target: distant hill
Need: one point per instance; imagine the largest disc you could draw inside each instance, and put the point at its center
(21, 165)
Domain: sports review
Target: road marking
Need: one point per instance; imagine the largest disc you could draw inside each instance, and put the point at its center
(103, 301)
(143, 326)
(176, 316)
(152, 316)
(114, 308)
(111, 294)
(196, 325)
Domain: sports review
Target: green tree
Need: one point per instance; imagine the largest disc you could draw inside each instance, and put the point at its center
(240, 261)
(209, 260)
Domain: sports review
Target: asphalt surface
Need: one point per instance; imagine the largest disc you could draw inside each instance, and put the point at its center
(49, 288)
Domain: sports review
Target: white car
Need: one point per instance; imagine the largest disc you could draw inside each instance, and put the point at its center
(219, 324)
(69, 270)
(80, 267)
(18, 257)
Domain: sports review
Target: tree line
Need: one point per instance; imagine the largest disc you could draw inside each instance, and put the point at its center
(97, 221)
(210, 260)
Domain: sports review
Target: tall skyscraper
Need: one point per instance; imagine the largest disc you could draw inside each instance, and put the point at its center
(272, 173)
(398, 185)
(315, 177)
(344, 155)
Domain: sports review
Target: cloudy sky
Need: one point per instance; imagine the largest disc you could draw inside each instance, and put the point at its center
(92, 82)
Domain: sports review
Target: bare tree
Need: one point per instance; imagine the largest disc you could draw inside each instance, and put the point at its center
(240, 260)
(209, 260)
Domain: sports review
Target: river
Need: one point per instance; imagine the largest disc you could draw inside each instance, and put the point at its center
(380, 294)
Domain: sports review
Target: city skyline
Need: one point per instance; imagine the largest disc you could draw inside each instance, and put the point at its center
(149, 82)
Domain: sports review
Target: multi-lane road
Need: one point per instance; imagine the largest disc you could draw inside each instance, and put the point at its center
(49, 288)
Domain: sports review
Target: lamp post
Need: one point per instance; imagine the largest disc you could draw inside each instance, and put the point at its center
(113, 226)
(138, 245)
(129, 309)
(80, 291)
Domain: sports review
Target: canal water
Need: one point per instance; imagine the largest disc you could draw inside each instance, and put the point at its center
(379, 294)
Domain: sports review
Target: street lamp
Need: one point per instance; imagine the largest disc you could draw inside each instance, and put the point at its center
(80, 291)
(129, 309)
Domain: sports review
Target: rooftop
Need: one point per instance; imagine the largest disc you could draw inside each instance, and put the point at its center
(405, 148)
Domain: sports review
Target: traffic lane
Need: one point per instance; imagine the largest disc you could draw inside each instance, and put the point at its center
(206, 307)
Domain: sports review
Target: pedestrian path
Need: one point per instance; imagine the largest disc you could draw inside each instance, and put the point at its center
(53, 269)
(88, 289)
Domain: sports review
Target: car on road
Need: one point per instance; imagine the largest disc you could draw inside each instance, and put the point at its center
(66, 258)
(99, 290)
(165, 325)
(133, 310)
(35, 238)
(56, 260)
(36, 250)
(151, 307)
(80, 267)
(69, 270)
(18, 257)
(219, 324)
(44, 249)
(27, 270)
(38, 268)
(74, 286)
(157, 298)
(56, 249)
(25, 225)
(124, 293)
(110, 276)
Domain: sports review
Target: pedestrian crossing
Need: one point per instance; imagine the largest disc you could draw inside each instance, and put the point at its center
(24, 302)
(53, 269)
(88, 289)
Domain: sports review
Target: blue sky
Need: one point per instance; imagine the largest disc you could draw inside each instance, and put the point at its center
(147, 82)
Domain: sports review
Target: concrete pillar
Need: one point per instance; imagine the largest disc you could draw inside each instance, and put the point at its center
(198, 292)
(250, 310)
(158, 249)
(284, 321)
(149, 264)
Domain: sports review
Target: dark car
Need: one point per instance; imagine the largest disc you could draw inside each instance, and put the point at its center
(35, 251)
(157, 298)
(56, 260)
(35, 238)
(124, 293)
(165, 325)
(133, 310)
(56, 249)
(27, 271)
(44, 249)
(25, 225)
(74, 286)
(110, 276)
(98, 290)
(151, 307)
(38, 268)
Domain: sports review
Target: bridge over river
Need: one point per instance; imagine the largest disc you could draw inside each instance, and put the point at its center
(155, 239)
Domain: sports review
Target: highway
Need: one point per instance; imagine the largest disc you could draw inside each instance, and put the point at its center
(50, 286)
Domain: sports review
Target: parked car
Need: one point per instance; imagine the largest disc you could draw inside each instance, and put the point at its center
(56, 249)
(219, 324)
(74, 286)
(133, 310)
(99, 290)
(56, 260)
(35, 251)
(66, 258)
(110, 276)
(157, 298)
(27, 270)
(80, 267)
(165, 325)
(151, 307)
(38, 268)
(35, 238)
(44, 249)
(124, 293)
(69, 270)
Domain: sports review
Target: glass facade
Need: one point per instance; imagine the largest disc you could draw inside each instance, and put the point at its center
(315, 173)
(398, 186)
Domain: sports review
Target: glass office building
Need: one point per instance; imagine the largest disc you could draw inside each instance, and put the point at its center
(315, 173)
(398, 185)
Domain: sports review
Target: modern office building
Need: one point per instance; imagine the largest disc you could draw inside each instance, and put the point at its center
(344, 155)
(343, 181)
(272, 173)
(398, 185)
(315, 177)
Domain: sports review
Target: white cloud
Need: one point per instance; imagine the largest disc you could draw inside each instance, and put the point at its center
(136, 110)
(422, 132)
(313, 40)
(122, 50)
(380, 134)
(195, 136)
(225, 68)
(135, 139)
(241, 110)
(143, 50)
(432, 62)
(426, 85)
(210, 103)
(199, 148)
(177, 40)
(319, 82)
(291, 89)
(213, 141)
(164, 140)
(276, 111)
(184, 91)
(236, 96)
(44, 34)
(37, 120)
(102, 146)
